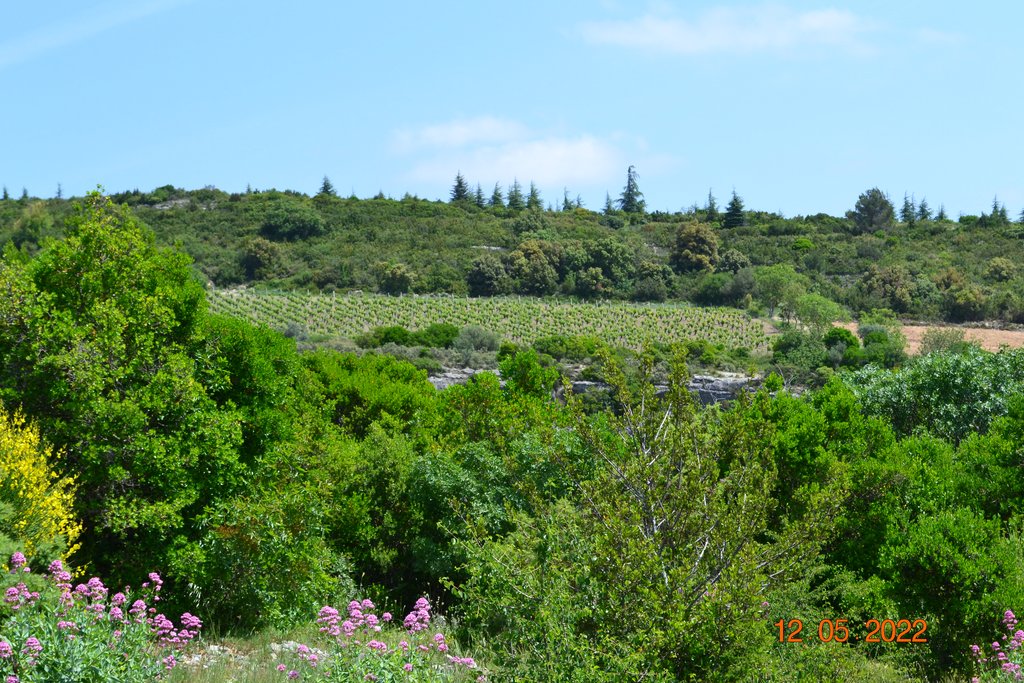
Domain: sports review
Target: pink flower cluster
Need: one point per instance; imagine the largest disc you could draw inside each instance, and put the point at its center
(92, 597)
(419, 618)
(1000, 657)
(17, 596)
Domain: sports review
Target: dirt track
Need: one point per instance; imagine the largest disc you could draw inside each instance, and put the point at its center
(990, 340)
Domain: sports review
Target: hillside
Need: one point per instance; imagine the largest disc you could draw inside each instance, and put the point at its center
(926, 269)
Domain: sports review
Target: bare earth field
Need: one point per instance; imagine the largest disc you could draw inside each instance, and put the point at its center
(990, 340)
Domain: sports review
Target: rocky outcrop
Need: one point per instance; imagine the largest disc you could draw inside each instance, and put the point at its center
(708, 388)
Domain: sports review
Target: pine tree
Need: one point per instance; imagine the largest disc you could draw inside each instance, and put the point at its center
(609, 209)
(326, 189)
(632, 199)
(566, 202)
(1020, 218)
(924, 212)
(941, 215)
(24, 194)
(60, 191)
(533, 200)
(711, 210)
(734, 212)
(6, 194)
(908, 215)
(497, 198)
(1000, 215)
(478, 197)
(460, 190)
(515, 197)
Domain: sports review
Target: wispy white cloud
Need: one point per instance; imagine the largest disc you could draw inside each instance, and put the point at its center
(56, 36)
(460, 133)
(490, 149)
(736, 29)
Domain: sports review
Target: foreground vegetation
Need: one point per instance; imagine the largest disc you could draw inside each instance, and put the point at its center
(635, 536)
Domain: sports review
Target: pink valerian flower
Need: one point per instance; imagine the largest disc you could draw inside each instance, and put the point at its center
(386, 617)
(407, 666)
(293, 674)
(467, 662)
(281, 667)
(12, 679)
(97, 591)
(328, 619)
(191, 622)
(17, 562)
(6, 650)
(115, 614)
(170, 662)
(32, 646)
(138, 610)
(419, 618)
(377, 645)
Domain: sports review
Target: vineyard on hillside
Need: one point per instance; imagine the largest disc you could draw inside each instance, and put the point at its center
(513, 319)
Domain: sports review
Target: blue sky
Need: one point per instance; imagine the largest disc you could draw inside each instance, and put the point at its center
(799, 106)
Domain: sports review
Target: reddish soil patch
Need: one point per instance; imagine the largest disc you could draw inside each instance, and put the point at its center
(990, 340)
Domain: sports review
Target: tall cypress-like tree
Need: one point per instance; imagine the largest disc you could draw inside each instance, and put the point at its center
(566, 202)
(941, 215)
(632, 199)
(478, 197)
(516, 202)
(609, 208)
(6, 194)
(711, 210)
(924, 212)
(533, 200)
(497, 197)
(908, 214)
(460, 190)
(327, 189)
(734, 212)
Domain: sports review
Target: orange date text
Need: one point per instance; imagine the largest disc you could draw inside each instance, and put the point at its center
(839, 631)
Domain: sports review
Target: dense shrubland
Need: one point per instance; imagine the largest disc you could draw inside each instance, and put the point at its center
(640, 536)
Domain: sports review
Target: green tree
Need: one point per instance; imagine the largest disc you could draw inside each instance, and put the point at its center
(460, 190)
(487, 276)
(771, 283)
(326, 189)
(872, 212)
(695, 248)
(533, 201)
(97, 339)
(908, 214)
(733, 260)
(734, 212)
(516, 202)
(924, 212)
(711, 208)
(478, 197)
(609, 208)
(497, 198)
(394, 278)
(632, 199)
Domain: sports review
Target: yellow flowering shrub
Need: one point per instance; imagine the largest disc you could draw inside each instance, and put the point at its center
(38, 504)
